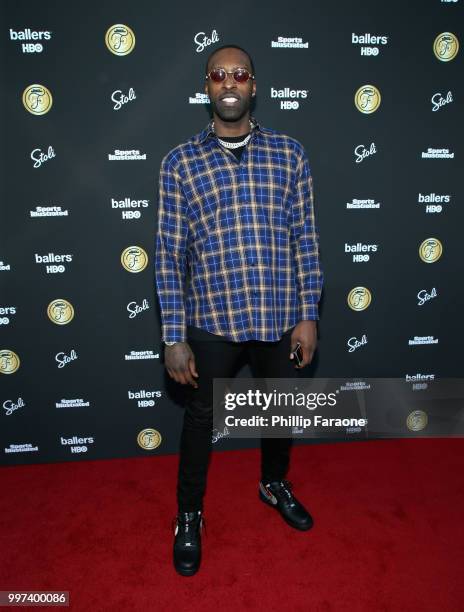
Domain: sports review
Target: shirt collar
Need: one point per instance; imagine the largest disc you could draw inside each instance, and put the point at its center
(208, 130)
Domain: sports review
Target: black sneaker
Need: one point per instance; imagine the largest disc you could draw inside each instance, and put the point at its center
(278, 494)
(187, 528)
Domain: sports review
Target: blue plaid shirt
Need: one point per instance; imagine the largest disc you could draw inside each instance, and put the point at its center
(246, 233)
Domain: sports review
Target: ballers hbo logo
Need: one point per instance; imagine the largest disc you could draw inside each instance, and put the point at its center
(9, 362)
(37, 99)
(60, 312)
(134, 259)
(367, 99)
(446, 46)
(149, 438)
(359, 298)
(430, 250)
(120, 39)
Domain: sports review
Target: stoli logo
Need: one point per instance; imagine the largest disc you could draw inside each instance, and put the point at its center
(202, 41)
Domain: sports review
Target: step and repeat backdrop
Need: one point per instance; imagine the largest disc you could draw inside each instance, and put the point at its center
(94, 94)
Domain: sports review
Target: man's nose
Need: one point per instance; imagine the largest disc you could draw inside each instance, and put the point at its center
(229, 80)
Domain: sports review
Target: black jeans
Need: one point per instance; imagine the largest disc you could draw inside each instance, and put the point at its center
(217, 357)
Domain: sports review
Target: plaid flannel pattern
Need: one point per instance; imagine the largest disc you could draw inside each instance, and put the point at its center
(242, 233)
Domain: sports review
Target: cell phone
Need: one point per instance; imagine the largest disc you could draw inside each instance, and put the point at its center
(298, 353)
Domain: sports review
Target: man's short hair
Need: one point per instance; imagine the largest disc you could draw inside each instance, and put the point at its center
(229, 47)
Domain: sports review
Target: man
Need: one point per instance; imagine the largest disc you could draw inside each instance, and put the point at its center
(236, 211)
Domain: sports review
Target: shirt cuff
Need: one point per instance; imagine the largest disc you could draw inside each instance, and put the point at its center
(308, 312)
(173, 334)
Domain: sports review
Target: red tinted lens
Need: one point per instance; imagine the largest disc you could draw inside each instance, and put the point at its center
(241, 75)
(217, 75)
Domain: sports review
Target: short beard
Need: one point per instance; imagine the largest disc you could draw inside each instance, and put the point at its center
(232, 114)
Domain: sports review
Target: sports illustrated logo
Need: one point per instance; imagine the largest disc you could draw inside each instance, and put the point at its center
(199, 98)
(287, 97)
(72, 403)
(55, 263)
(9, 361)
(359, 298)
(62, 359)
(120, 39)
(430, 250)
(48, 211)
(367, 99)
(134, 309)
(424, 296)
(31, 35)
(21, 448)
(356, 385)
(9, 406)
(438, 101)
(422, 340)
(4, 312)
(445, 46)
(136, 355)
(127, 203)
(283, 42)
(120, 99)
(39, 158)
(353, 343)
(361, 251)
(369, 43)
(361, 152)
(433, 202)
(369, 203)
(126, 155)
(437, 154)
(60, 311)
(202, 41)
(134, 259)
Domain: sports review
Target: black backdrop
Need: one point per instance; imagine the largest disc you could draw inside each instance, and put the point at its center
(74, 393)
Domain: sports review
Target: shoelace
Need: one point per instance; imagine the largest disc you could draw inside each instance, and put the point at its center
(286, 488)
(187, 524)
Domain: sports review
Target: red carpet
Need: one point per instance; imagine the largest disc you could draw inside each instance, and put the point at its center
(388, 532)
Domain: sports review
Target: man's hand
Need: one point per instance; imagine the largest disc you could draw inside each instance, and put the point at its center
(306, 334)
(180, 363)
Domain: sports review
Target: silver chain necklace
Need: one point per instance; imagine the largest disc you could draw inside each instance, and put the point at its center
(234, 145)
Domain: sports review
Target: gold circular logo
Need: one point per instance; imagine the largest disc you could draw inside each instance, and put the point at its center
(417, 420)
(9, 362)
(446, 46)
(134, 259)
(359, 298)
(149, 438)
(60, 312)
(120, 39)
(367, 99)
(37, 99)
(430, 250)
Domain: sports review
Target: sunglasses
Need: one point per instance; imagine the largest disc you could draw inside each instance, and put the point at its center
(241, 75)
